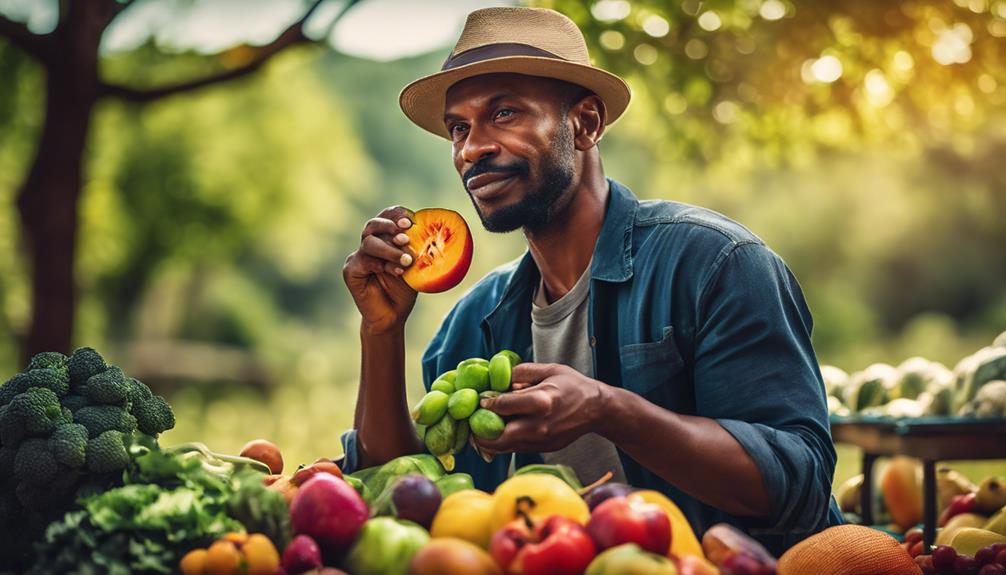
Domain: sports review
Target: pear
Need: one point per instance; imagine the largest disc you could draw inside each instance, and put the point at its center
(950, 482)
(991, 495)
(997, 523)
(968, 540)
(963, 521)
(849, 494)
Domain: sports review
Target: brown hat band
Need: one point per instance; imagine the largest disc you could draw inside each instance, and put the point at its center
(492, 51)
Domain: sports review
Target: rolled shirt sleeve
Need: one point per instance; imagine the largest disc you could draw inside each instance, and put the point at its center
(757, 375)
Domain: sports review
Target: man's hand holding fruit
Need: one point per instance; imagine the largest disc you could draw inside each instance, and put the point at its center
(550, 406)
(373, 273)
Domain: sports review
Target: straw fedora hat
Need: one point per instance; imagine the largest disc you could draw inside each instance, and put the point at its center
(532, 41)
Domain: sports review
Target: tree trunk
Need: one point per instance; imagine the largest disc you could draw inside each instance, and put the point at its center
(48, 199)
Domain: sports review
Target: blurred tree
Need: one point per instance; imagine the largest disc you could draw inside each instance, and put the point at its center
(48, 198)
(772, 80)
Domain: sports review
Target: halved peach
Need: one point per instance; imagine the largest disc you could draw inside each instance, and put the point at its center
(442, 246)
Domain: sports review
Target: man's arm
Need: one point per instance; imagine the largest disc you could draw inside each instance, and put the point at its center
(383, 429)
(693, 453)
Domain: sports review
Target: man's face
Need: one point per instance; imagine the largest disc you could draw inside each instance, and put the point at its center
(512, 147)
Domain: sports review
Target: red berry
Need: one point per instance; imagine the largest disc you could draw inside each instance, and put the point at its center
(965, 565)
(993, 569)
(943, 559)
(1001, 557)
(985, 555)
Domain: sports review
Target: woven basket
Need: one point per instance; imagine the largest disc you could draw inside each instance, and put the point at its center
(848, 550)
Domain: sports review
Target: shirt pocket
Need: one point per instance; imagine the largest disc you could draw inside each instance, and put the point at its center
(647, 366)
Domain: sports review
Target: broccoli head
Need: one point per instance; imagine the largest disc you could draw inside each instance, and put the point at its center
(48, 359)
(83, 364)
(11, 427)
(33, 497)
(49, 378)
(101, 418)
(34, 463)
(13, 386)
(7, 455)
(38, 409)
(68, 444)
(110, 387)
(107, 452)
(153, 415)
(73, 402)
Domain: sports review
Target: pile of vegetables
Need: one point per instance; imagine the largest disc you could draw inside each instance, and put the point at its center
(172, 500)
(65, 424)
(976, 387)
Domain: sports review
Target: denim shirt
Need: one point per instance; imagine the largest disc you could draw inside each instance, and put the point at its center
(693, 312)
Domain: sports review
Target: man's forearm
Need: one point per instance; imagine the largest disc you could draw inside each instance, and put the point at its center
(692, 453)
(384, 428)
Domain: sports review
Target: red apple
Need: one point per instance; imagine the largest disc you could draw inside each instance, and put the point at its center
(442, 246)
(620, 520)
(329, 510)
(965, 503)
(558, 546)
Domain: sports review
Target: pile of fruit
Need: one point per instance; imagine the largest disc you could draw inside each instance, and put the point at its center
(976, 387)
(450, 412)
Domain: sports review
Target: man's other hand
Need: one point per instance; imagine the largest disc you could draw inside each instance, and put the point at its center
(550, 406)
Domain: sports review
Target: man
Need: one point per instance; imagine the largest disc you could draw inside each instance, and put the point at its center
(668, 344)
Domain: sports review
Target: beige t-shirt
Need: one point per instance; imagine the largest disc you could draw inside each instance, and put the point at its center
(559, 335)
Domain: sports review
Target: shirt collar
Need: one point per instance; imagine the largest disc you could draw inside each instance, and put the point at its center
(612, 260)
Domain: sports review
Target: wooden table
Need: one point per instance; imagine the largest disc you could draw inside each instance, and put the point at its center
(929, 439)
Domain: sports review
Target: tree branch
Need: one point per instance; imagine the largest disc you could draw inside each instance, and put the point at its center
(294, 34)
(38, 46)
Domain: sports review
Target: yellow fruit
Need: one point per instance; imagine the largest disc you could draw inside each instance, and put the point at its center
(849, 494)
(901, 484)
(539, 496)
(968, 540)
(194, 562)
(683, 539)
(236, 538)
(260, 554)
(997, 522)
(991, 495)
(222, 558)
(465, 514)
(958, 522)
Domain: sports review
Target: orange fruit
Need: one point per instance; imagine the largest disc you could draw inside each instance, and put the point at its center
(222, 558)
(266, 452)
(194, 562)
(261, 557)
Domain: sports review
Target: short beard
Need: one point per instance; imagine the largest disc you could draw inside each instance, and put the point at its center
(535, 210)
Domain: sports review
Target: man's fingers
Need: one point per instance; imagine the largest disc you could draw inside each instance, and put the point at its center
(518, 435)
(532, 373)
(378, 248)
(397, 214)
(521, 402)
(379, 227)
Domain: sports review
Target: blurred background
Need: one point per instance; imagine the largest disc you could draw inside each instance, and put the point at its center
(192, 174)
